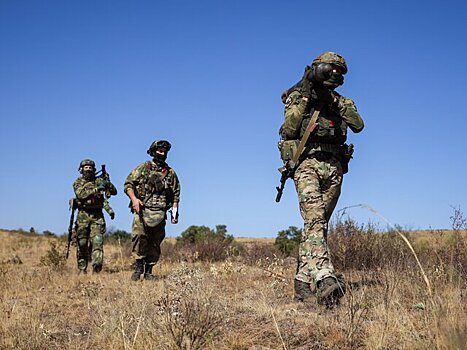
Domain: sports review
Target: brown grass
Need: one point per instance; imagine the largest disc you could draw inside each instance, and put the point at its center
(244, 302)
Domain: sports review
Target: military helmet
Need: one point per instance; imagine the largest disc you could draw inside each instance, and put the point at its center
(86, 162)
(159, 144)
(331, 58)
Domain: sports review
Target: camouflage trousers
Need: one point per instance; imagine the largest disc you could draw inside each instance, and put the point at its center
(147, 245)
(318, 184)
(90, 230)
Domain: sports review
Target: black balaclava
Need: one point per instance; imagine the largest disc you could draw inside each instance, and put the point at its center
(89, 174)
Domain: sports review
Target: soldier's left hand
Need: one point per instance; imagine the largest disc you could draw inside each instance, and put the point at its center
(112, 215)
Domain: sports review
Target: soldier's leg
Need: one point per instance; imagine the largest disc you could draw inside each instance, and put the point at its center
(139, 240)
(331, 186)
(82, 235)
(97, 241)
(154, 243)
(330, 289)
(313, 262)
(155, 238)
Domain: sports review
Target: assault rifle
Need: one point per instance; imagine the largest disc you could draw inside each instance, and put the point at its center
(289, 168)
(105, 177)
(73, 206)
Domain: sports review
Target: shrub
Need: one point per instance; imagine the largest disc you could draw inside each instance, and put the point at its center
(258, 252)
(53, 257)
(287, 241)
(192, 323)
(48, 233)
(116, 235)
(206, 244)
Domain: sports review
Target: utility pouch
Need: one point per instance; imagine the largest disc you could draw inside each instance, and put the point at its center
(345, 155)
(287, 149)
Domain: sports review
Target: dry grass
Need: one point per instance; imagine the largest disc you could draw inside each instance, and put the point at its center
(242, 303)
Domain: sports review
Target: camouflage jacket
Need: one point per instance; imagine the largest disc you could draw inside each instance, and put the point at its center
(332, 122)
(156, 186)
(87, 194)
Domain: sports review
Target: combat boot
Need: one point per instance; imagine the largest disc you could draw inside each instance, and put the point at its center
(148, 272)
(96, 268)
(302, 290)
(139, 269)
(330, 290)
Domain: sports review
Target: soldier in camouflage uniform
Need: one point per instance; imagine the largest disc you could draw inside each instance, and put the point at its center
(318, 177)
(90, 223)
(153, 188)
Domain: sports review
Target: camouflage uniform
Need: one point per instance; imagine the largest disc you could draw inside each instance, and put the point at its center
(90, 224)
(318, 178)
(158, 187)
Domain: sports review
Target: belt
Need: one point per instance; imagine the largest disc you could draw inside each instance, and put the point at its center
(90, 209)
(316, 147)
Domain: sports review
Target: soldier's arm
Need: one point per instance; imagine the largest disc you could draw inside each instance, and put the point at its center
(109, 209)
(84, 189)
(129, 187)
(132, 180)
(295, 107)
(107, 206)
(348, 112)
(175, 188)
(112, 189)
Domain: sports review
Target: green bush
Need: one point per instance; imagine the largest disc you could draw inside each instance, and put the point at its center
(116, 235)
(195, 234)
(53, 257)
(207, 244)
(287, 241)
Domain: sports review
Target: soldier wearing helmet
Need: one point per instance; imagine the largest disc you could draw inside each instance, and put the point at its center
(319, 173)
(90, 224)
(153, 188)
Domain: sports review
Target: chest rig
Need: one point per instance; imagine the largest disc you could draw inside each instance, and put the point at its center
(154, 190)
(331, 128)
(94, 201)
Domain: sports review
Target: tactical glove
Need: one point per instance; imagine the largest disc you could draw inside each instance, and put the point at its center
(112, 215)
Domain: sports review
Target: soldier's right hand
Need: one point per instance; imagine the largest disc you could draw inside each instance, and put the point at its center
(136, 204)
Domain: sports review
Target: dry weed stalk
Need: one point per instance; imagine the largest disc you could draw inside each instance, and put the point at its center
(191, 321)
(271, 310)
(357, 310)
(430, 293)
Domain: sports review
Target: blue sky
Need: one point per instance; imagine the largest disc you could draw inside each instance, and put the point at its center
(103, 79)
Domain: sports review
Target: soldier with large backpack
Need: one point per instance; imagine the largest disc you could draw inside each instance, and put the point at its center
(153, 188)
(316, 156)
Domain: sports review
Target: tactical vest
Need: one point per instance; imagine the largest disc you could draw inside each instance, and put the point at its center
(331, 129)
(93, 202)
(155, 188)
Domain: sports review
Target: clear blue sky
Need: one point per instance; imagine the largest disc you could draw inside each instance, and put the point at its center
(103, 79)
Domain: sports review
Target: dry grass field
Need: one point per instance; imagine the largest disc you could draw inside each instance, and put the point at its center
(242, 302)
